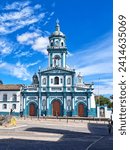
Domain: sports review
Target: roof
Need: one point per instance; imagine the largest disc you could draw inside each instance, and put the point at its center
(58, 70)
(12, 87)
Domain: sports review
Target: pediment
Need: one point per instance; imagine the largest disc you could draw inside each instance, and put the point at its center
(58, 71)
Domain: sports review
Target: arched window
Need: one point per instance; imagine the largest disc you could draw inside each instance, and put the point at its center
(13, 106)
(14, 98)
(51, 43)
(56, 60)
(62, 44)
(56, 80)
(4, 106)
(68, 81)
(5, 97)
(44, 81)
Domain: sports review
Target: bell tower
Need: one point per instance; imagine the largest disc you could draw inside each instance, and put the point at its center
(57, 49)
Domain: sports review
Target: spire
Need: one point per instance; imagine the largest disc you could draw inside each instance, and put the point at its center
(57, 25)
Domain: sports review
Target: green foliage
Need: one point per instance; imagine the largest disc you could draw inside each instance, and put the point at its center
(1, 82)
(103, 100)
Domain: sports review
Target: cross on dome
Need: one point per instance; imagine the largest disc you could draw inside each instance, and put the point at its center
(57, 25)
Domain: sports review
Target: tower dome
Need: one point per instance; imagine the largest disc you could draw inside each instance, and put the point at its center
(57, 38)
(57, 32)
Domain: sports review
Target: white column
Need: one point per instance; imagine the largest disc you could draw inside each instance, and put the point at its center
(98, 111)
(48, 103)
(89, 103)
(49, 60)
(64, 59)
(73, 103)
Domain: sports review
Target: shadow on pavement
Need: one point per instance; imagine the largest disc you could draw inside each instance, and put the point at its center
(98, 129)
(69, 141)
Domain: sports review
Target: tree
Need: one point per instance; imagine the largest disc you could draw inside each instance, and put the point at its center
(1, 82)
(101, 100)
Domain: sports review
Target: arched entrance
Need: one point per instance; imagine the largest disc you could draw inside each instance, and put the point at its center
(56, 108)
(32, 109)
(81, 110)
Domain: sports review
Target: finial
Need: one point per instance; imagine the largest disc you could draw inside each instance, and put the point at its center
(57, 25)
(57, 21)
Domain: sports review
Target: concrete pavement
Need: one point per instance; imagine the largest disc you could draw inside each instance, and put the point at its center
(55, 135)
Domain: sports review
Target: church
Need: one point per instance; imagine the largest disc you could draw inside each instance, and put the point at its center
(56, 90)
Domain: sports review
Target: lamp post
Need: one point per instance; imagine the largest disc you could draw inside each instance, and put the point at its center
(98, 90)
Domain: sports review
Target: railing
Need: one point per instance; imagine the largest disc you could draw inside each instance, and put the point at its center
(31, 88)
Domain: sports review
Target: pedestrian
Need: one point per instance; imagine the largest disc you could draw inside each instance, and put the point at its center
(109, 128)
(11, 111)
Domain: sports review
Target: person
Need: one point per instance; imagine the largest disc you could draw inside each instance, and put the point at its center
(21, 114)
(11, 111)
(109, 127)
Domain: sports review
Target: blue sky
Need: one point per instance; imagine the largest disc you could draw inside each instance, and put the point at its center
(26, 25)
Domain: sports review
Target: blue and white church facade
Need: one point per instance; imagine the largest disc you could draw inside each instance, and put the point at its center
(56, 91)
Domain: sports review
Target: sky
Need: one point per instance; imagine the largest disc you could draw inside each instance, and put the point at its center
(25, 26)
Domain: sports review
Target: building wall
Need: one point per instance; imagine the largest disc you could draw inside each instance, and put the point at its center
(9, 103)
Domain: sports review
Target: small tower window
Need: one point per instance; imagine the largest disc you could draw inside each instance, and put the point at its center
(68, 81)
(44, 81)
(56, 80)
(5, 97)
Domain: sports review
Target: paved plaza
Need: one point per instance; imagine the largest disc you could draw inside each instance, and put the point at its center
(56, 134)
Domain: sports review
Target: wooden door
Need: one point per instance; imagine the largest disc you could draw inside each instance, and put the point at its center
(56, 108)
(81, 110)
(32, 110)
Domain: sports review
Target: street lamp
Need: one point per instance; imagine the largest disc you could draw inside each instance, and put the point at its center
(98, 90)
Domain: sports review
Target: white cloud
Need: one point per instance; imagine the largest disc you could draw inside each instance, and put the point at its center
(19, 54)
(33, 64)
(13, 19)
(96, 69)
(41, 44)
(35, 40)
(46, 22)
(16, 5)
(27, 38)
(38, 6)
(52, 13)
(103, 89)
(5, 48)
(94, 59)
(18, 70)
(103, 86)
